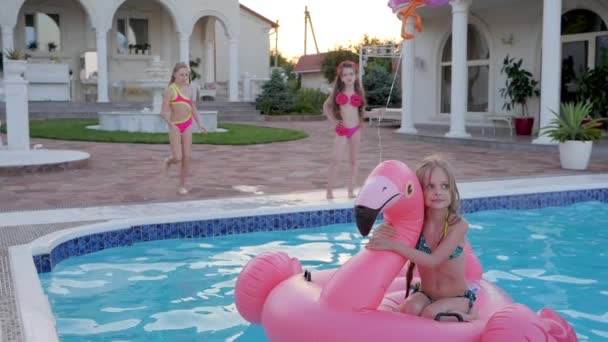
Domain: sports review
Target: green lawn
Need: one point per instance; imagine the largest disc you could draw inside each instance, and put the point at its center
(237, 134)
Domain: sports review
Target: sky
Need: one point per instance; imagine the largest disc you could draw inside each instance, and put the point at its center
(335, 22)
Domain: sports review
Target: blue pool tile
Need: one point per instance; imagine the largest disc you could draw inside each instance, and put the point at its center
(228, 226)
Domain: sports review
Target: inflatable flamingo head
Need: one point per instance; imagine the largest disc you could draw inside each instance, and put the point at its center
(392, 189)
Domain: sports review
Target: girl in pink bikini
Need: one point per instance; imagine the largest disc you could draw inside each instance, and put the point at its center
(345, 109)
(178, 111)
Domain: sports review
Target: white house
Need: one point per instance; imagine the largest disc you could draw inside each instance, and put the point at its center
(456, 60)
(309, 70)
(119, 38)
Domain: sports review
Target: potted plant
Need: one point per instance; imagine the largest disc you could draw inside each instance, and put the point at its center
(592, 87)
(15, 64)
(575, 131)
(519, 87)
(33, 45)
(52, 46)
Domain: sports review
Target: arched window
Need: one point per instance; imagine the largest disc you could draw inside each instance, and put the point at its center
(478, 61)
(584, 46)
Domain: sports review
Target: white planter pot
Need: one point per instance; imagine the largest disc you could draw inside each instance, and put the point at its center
(14, 69)
(574, 155)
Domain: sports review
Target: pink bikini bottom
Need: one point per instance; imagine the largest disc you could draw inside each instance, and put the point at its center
(347, 132)
(182, 126)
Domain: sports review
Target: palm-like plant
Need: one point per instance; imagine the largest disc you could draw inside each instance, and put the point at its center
(519, 85)
(574, 123)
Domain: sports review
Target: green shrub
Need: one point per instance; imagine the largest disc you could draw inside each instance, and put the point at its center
(377, 83)
(310, 101)
(276, 97)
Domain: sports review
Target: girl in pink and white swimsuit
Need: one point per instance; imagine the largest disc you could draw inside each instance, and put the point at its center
(178, 111)
(345, 109)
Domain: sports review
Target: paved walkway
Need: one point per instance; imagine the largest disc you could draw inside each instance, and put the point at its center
(130, 173)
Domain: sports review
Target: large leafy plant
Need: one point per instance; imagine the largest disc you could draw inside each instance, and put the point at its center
(574, 123)
(519, 85)
(592, 86)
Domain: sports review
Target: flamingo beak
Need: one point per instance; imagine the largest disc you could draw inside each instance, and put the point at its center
(375, 195)
(365, 218)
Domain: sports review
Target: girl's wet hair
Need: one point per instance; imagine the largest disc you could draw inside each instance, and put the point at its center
(339, 87)
(178, 65)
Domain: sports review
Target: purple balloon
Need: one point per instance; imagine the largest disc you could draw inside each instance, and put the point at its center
(396, 4)
(436, 2)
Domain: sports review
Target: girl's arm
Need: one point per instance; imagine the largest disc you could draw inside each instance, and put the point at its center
(374, 113)
(329, 112)
(165, 110)
(197, 119)
(442, 252)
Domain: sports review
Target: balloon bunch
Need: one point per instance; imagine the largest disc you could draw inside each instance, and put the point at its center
(409, 11)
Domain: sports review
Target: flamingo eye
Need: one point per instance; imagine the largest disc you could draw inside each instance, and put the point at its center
(409, 189)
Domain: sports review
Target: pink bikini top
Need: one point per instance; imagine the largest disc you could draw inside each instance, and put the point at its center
(355, 100)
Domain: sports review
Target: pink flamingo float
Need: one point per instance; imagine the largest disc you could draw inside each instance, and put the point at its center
(358, 301)
(407, 8)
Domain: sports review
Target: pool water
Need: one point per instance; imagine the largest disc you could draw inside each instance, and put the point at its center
(182, 290)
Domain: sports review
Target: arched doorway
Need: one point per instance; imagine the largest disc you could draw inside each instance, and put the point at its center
(584, 46)
(203, 54)
(53, 34)
(478, 62)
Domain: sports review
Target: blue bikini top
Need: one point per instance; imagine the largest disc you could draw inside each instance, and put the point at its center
(422, 246)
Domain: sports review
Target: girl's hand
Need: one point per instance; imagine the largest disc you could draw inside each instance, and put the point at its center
(381, 242)
(174, 129)
(202, 129)
(380, 111)
(385, 230)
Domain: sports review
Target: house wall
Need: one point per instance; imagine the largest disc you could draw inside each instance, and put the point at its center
(523, 20)
(81, 19)
(314, 80)
(254, 48)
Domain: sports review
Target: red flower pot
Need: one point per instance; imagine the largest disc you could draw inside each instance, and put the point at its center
(523, 126)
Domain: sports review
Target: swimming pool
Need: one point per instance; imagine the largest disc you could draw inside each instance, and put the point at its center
(183, 289)
(130, 225)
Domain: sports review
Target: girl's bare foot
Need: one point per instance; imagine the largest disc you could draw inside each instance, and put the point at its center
(351, 195)
(167, 164)
(182, 191)
(329, 195)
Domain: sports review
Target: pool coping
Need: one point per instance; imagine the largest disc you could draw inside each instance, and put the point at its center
(36, 315)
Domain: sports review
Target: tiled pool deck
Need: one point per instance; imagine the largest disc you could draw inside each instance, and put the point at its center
(122, 182)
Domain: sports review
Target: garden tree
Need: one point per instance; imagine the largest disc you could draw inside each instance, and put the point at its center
(351, 52)
(377, 82)
(332, 59)
(276, 96)
(287, 65)
(386, 63)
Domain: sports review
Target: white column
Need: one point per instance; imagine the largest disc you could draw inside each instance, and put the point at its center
(408, 71)
(102, 66)
(209, 61)
(460, 13)
(233, 82)
(17, 112)
(8, 40)
(184, 47)
(247, 97)
(551, 67)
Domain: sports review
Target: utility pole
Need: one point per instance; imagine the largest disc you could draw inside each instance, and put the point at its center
(276, 44)
(307, 20)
